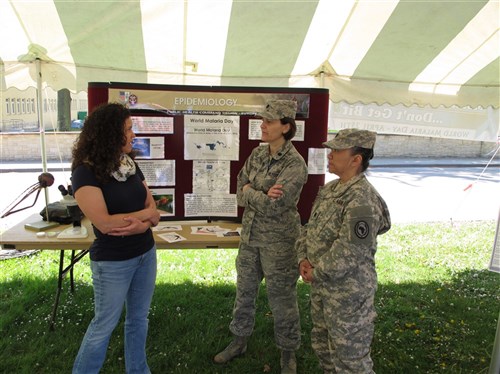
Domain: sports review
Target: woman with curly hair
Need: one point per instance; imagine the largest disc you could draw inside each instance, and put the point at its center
(111, 191)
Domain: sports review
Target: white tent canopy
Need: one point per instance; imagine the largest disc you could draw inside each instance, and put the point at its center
(393, 52)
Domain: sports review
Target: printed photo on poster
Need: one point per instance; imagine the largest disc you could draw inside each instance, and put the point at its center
(142, 147)
(211, 176)
(158, 172)
(151, 125)
(165, 201)
(152, 147)
(211, 137)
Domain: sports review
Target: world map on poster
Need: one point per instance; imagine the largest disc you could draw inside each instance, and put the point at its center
(211, 137)
(212, 146)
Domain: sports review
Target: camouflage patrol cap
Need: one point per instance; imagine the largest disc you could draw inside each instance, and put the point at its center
(348, 138)
(278, 109)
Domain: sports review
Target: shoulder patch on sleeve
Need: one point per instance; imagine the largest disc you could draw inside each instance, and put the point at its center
(361, 224)
(361, 229)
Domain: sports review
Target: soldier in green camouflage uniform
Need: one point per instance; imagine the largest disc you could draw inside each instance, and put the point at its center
(269, 187)
(336, 253)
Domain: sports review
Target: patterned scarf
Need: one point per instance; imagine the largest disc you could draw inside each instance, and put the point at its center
(126, 169)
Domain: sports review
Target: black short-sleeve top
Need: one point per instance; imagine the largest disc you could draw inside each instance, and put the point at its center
(120, 197)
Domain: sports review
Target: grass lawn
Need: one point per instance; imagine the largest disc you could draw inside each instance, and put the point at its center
(437, 307)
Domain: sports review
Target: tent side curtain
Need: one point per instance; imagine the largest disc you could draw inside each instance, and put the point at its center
(57, 76)
(383, 92)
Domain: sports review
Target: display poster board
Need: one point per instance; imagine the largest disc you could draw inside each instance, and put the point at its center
(191, 141)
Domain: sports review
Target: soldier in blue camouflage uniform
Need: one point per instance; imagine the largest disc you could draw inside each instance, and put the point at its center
(269, 187)
(336, 253)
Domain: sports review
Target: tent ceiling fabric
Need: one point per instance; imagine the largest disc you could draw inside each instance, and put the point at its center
(395, 52)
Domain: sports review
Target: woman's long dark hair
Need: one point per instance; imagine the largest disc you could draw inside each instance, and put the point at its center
(100, 143)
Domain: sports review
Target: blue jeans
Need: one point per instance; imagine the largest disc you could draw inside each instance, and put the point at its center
(130, 282)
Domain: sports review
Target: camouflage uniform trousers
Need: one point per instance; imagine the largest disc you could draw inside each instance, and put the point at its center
(277, 263)
(342, 332)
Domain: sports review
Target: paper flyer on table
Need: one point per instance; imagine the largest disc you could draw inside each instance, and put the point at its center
(172, 237)
(229, 233)
(163, 228)
(206, 230)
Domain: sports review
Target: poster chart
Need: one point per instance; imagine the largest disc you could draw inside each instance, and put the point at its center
(211, 137)
(211, 176)
(211, 141)
(317, 160)
(210, 205)
(152, 125)
(158, 172)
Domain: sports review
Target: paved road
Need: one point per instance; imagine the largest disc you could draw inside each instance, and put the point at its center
(427, 194)
(415, 190)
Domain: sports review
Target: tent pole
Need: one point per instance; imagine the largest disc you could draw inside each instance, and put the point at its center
(40, 114)
(41, 124)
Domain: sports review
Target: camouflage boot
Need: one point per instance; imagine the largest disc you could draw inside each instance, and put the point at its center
(236, 348)
(288, 362)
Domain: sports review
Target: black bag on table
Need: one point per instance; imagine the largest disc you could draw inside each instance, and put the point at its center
(59, 213)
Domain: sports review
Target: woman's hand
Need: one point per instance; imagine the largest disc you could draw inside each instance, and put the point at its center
(276, 191)
(306, 271)
(246, 186)
(135, 226)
